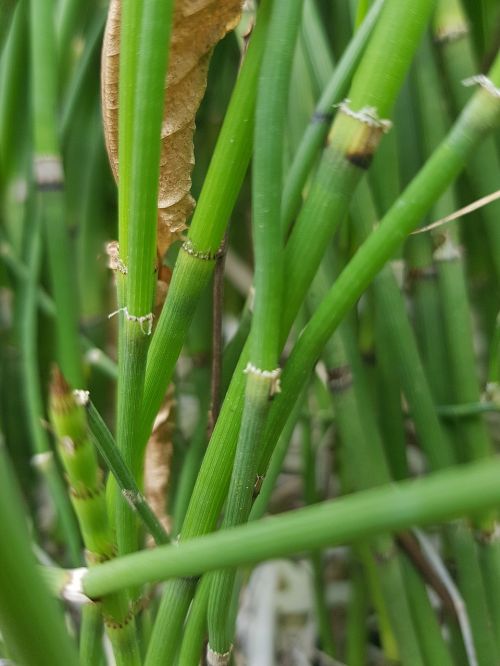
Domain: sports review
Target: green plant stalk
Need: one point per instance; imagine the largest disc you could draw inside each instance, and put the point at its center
(194, 632)
(300, 265)
(196, 260)
(323, 616)
(459, 63)
(197, 348)
(31, 623)
(317, 130)
(351, 147)
(356, 631)
(414, 383)
(71, 16)
(43, 454)
(466, 410)
(458, 335)
(460, 538)
(139, 166)
(90, 646)
(440, 496)
(6, 12)
(300, 103)
(196, 624)
(13, 63)
(372, 582)
(192, 271)
(49, 182)
(430, 637)
(479, 117)
(363, 465)
(87, 491)
(401, 341)
(90, 220)
(317, 51)
(77, 85)
(106, 446)
(261, 382)
(460, 374)
(494, 360)
(19, 270)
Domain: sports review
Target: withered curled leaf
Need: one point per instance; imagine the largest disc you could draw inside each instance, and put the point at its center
(197, 27)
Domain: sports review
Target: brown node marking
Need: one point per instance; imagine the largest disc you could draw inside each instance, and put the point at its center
(369, 357)
(421, 273)
(111, 623)
(360, 159)
(87, 493)
(340, 379)
(92, 557)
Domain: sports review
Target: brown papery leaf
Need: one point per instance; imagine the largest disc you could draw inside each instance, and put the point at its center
(158, 459)
(197, 27)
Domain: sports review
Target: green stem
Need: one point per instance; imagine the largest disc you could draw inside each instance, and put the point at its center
(440, 496)
(87, 491)
(459, 62)
(262, 370)
(43, 455)
(196, 259)
(49, 182)
(106, 446)
(32, 624)
(20, 271)
(6, 11)
(317, 130)
(139, 165)
(480, 116)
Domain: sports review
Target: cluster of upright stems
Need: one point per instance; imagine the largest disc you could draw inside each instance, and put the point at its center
(332, 218)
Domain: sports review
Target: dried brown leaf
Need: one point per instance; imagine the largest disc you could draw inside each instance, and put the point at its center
(197, 27)
(158, 459)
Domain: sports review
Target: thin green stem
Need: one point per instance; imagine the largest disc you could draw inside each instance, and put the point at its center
(262, 371)
(49, 182)
(43, 455)
(106, 446)
(438, 497)
(87, 491)
(6, 11)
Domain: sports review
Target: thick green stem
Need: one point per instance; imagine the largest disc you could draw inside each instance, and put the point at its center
(317, 130)
(459, 62)
(139, 165)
